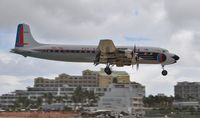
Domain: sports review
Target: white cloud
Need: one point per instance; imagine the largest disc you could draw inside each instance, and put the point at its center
(183, 13)
(10, 83)
(186, 44)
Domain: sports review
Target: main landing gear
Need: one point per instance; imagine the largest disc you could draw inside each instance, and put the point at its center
(164, 72)
(107, 70)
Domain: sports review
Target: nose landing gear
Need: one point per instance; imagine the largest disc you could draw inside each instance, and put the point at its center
(164, 72)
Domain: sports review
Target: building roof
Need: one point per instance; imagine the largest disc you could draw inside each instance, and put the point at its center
(188, 83)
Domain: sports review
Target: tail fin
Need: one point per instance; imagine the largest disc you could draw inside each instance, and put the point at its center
(24, 37)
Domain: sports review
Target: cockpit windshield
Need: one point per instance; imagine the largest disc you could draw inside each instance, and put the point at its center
(164, 50)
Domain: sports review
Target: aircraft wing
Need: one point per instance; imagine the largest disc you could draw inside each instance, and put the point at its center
(107, 53)
(106, 46)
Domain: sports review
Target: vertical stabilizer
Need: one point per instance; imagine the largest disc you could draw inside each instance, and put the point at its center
(24, 37)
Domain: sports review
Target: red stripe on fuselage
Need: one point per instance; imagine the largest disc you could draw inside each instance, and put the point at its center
(21, 36)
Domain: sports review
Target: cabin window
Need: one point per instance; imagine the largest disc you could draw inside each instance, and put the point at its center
(67, 51)
(88, 51)
(77, 51)
(82, 51)
(165, 51)
(93, 51)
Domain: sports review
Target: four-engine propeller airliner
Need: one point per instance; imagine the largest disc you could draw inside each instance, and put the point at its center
(105, 53)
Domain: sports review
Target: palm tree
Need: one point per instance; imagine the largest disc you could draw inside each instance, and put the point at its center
(39, 101)
(92, 97)
(77, 96)
(48, 97)
(59, 99)
(22, 102)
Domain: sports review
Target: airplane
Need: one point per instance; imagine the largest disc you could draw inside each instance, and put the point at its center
(105, 53)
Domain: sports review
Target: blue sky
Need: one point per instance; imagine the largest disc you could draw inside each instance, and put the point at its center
(160, 23)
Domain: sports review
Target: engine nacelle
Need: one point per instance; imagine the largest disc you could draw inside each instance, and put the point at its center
(120, 63)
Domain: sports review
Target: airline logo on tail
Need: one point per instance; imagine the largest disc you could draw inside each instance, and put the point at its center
(20, 36)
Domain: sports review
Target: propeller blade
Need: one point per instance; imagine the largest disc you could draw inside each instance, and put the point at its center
(137, 66)
(134, 49)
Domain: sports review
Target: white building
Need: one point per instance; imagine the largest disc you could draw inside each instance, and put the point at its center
(35, 92)
(124, 97)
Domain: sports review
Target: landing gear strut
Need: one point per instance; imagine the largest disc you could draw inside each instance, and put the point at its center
(164, 72)
(107, 70)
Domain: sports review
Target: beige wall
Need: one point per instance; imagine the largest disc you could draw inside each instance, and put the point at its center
(104, 81)
(88, 78)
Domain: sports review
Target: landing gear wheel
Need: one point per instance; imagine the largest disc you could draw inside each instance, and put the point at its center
(164, 72)
(107, 70)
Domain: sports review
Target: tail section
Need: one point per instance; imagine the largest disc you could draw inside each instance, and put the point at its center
(24, 37)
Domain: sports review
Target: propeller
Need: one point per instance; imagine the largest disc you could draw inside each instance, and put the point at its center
(135, 54)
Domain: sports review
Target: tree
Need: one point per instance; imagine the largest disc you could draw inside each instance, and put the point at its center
(39, 101)
(22, 102)
(48, 98)
(92, 97)
(158, 101)
(77, 96)
(59, 99)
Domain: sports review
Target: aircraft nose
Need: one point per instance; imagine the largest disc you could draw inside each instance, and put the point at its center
(175, 57)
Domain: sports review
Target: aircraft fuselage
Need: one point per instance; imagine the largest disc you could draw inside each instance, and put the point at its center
(87, 53)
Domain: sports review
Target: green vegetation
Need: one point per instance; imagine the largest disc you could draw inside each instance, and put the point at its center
(158, 101)
(84, 96)
(162, 105)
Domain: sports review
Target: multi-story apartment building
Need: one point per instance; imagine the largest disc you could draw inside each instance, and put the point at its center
(88, 79)
(10, 98)
(187, 91)
(65, 84)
